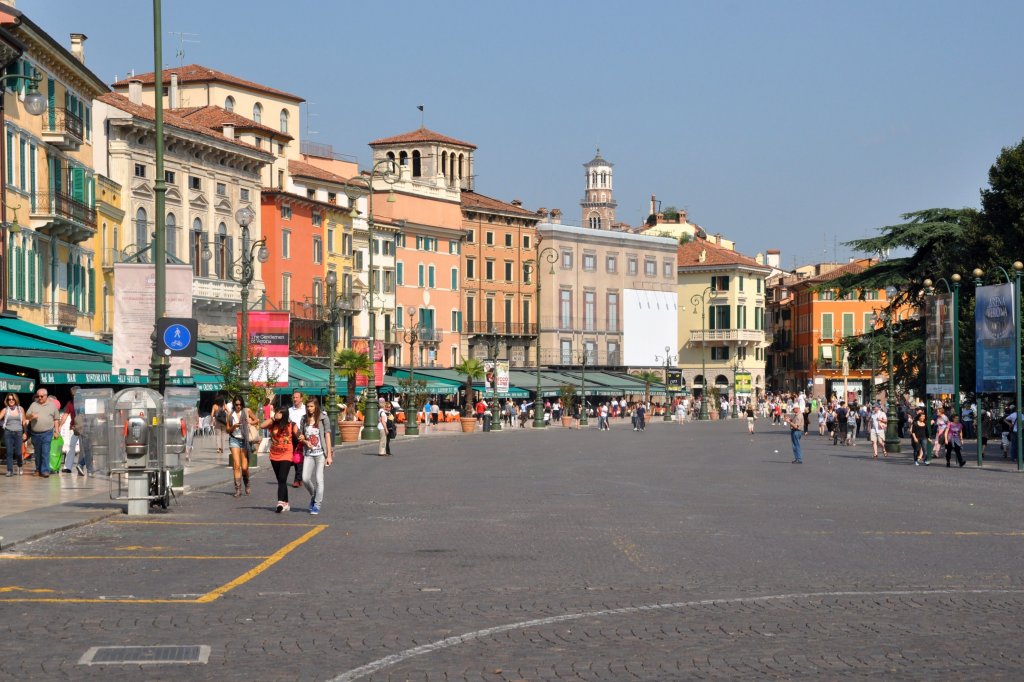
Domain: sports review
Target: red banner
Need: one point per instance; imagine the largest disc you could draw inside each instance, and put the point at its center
(363, 346)
(268, 340)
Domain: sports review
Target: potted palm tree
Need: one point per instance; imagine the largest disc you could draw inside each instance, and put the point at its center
(473, 370)
(648, 377)
(350, 364)
(567, 392)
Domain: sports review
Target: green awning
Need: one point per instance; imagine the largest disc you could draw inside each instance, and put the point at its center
(435, 384)
(66, 341)
(9, 383)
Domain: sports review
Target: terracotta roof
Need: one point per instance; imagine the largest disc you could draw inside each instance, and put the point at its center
(301, 169)
(196, 73)
(848, 268)
(689, 254)
(216, 118)
(480, 202)
(170, 119)
(421, 135)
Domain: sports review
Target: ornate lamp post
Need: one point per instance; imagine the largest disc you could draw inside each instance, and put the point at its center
(701, 300)
(550, 255)
(892, 327)
(737, 365)
(243, 271)
(669, 361)
(492, 349)
(333, 313)
(387, 170)
(584, 357)
(411, 336)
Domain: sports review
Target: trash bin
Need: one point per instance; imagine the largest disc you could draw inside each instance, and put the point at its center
(487, 421)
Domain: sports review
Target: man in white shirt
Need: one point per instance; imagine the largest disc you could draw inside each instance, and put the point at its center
(1011, 421)
(877, 431)
(296, 413)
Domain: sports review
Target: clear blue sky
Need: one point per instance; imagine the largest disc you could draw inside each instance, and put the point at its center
(785, 125)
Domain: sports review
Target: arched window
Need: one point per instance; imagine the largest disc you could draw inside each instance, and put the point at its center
(172, 236)
(460, 169)
(416, 164)
(721, 381)
(222, 259)
(593, 178)
(195, 247)
(257, 112)
(603, 179)
(229, 103)
(403, 158)
(284, 120)
(444, 164)
(391, 155)
(141, 230)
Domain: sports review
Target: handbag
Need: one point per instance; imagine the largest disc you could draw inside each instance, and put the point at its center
(56, 453)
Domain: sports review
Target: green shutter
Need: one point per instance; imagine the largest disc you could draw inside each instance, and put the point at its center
(32, 176)
(32, 277)
(92, 290)
(420, 273)
(826, 326)
(78, 184)
(20, 257)
(430, 276)
(51, 103)
(847, 324)
(10, 155)
(399, 274)
(455, 279)
(21, 164)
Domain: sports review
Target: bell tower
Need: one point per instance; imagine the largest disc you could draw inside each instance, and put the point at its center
(598, 205)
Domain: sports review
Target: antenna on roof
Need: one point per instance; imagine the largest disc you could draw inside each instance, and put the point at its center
(309, 114)
(180, 52)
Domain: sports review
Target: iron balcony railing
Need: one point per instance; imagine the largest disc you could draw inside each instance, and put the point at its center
(63, 206)
(62, 315)
(500, 328)
(63, 121)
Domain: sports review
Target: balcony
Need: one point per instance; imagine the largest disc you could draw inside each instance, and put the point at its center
(62, 315)
(60, 215)
(220, 293)
(63, 130)
(736, 335)
(500, 328)
(347, 304)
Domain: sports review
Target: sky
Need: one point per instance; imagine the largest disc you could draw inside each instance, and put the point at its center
(793, 125)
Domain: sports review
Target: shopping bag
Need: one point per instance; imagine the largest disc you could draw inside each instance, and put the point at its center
(56, 453)
(264, 447)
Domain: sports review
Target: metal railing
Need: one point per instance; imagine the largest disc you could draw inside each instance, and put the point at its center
(63, 206)
(64, 121)
(500, 328)
(699, 335)
(62, 315)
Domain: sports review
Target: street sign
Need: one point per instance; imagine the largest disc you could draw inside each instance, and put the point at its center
(178, 335)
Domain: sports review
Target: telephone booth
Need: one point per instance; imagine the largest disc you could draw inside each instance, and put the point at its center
(138, 438)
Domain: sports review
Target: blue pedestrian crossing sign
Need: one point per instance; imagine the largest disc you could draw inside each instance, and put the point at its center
(178, 336)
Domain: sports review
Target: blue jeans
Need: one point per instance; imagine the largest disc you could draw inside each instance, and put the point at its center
(796, 435)
(41, 445)
(12, 441)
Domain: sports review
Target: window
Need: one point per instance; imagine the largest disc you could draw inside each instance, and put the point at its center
(196, 246)
(720, 352)
(489, 239)
(280, 148)
(650, 267)
(526, 313)
(286, 243)
(827, 295)
(471, 236)
(286, 212)
(169, 177)
(172, 235)
(565, 308)
(223, 252)
(454, 248)
(759, 318)
(470, 268)
(489, 270)
(613, 312)
(589, 262)
(229, 103)
(720, 283)
(719, 317)
(389, 281)
(869, 322)
(141, 230)
(741, 316)
(430, 276)
(760, 284)
(631, 265)
(527, 274)
(611, 263)
(565, 346)
(567, 260)
(330, 240)
(195, 183)
(140, 169)
(257, 112)
(284, 121)
(589, 311)
(508, 239)
(311, 194)
(318, 249)
(455, 279)
(527, 242)
(420, 279)
(243, 194)
(456, 321)
(847, 324)
(508, 271)
(318, 219)
(346, 244)
(470, 311)
(222, 189)
(826, 325)
(667, 268)
(400, 276)
(286, 292)
(739, 280)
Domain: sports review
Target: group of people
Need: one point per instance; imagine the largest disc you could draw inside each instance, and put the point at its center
(29, 433)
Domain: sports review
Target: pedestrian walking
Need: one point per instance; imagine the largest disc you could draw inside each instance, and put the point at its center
(750, 417)
(796, 432)
(318, 453)
(42, 418)
(842, 426)
(954, 440)
(238, 441)
(919, 439)
(641, 414)
(281, 432)
(219, 419)
(877, 421)
(388, 428)
(296, 413)
(14, 421)
(941, 421)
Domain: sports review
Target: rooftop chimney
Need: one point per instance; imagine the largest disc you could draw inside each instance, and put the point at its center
(172, 94)
(229, 131)
(556, 216)
(77, 45)
(517, 202)
(654, 205)
(135, 91)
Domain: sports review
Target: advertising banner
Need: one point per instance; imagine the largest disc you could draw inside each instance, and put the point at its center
(496, 371)
(674, 380)
(939, 332)
(268, 341)
(994, 329)
(135, 314)
(363, 346)
(744, 383)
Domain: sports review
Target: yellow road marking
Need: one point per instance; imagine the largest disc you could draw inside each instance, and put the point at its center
(132, 548)
(963, 533)
(206, 598)
(121, 558)
(215, 523)
(15, 588)
(270, 561)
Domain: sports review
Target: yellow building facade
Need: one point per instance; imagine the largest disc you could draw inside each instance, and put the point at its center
(110, 226)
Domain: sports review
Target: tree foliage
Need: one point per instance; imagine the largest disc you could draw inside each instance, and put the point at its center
(473, 370)
(350, 364)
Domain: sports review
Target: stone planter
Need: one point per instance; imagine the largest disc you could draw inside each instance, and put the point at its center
(468, 424)
(566, 422)
(350, 431)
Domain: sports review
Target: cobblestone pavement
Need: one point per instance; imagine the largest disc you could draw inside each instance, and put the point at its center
(693, 552)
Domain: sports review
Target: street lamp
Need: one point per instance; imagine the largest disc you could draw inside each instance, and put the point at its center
(550, 255)
(1018, 271)
(387, 170)
(669, 361)
(411, 336)
(243, 272)
(492, 348)
(737, 365)
(584, 356)
(333, 313)
(954, 290)
(701, 300)
(892, 327)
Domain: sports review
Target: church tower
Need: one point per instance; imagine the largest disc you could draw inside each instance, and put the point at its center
(598, 206)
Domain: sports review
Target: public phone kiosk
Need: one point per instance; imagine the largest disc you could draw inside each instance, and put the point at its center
(138, 440)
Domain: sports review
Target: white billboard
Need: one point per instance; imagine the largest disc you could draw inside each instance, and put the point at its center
(135, 312)
(650, 323)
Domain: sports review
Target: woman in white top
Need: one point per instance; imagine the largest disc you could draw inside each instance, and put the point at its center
(318, 453)
(239, 421)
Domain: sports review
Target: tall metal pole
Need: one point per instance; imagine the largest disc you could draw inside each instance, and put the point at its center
(495, 410)
(1018, 267)
(695, 300)
(892, 438)
(977, 272)
(332, 392)
(583, 389)
(538, 402)
(158, 362)
(243, 342)
(411, 335)
(955, 315)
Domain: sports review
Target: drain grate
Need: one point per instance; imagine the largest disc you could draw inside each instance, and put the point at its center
(146, 655)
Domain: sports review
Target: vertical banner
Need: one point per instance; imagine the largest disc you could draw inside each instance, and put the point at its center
(744, 384)
(363, 346)
(994, 329)
(268, 340)
(502, 376)
(939, 344)
(135, 314)
(674, 380)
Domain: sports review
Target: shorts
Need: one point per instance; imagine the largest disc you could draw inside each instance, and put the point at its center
(235, 443)
(877, 436)
(750, 420)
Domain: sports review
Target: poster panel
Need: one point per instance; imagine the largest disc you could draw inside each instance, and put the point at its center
(135, 314)
(674, 379)
(268, 340)
(939, 344)
(363, 346)
(744, 383)
(994, 330)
